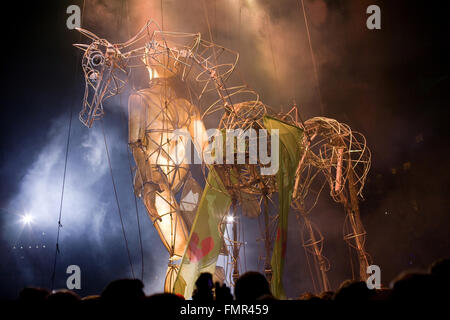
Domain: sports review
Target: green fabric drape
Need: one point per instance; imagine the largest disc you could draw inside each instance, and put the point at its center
(204, 241)
(290, 150)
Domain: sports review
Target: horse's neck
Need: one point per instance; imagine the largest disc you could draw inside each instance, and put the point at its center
(172, 86)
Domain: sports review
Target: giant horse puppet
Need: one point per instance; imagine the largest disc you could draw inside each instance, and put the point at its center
(329, 150)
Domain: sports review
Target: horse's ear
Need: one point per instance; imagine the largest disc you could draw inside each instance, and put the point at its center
(88, 34)
(81, 46)
(144, 30)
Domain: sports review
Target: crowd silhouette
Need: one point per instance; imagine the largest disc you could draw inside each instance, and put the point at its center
(408, 286)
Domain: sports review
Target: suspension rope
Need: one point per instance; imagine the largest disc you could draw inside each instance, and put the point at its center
(57, 251)
(313, 58)
(125, 2)
(137, 216)
(117, 198)
(141, 247)
(275, 69)
(162, 15)
(61, 201)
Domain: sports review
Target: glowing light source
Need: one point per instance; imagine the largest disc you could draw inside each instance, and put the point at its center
(27, 219)
(230, 219)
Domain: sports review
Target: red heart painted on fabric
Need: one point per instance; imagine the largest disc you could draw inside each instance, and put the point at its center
(207, 245)
(282, 233)
(196, 253)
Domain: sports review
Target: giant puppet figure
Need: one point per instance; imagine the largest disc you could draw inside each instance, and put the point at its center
(319, 148)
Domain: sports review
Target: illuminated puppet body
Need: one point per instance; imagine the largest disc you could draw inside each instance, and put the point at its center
(154, 113)
(162, 168)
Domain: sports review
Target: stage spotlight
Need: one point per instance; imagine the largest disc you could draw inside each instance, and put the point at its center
(230, 219)
(27, 219)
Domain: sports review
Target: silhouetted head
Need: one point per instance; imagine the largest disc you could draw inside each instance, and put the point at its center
(123, 290)
(352, 291)
(33, 295)
(63, 297)
(204, 286)
(251, 286)
(441, 268)
(205, 280)
(383, 294)
(165, 299)
(326, 295)
(93, 297)
(308, 296)
(267, 297)
(414, 286)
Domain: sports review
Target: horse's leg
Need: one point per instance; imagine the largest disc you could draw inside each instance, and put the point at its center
(168, 222)
(313, 246)
(155, 184)
(161, 206)
(358, 233)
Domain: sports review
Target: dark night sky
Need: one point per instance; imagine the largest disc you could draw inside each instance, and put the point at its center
(390, 84)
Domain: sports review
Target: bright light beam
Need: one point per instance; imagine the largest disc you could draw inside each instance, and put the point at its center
(27, 219)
